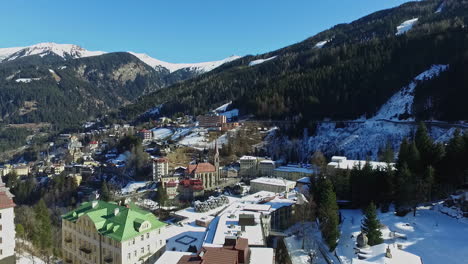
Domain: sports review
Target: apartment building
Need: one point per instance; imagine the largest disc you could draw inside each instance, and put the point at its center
(266, 167)
(160, 168)
(102, 232)
(211, 120)
(248, 167)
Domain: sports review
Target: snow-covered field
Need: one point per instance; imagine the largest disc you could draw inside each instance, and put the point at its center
(161, 133)
(435, 237)
(406, 26)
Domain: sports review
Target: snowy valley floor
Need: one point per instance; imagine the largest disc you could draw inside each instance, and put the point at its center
(432, 235)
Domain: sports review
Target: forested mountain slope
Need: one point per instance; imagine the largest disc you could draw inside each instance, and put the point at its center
(359, 67)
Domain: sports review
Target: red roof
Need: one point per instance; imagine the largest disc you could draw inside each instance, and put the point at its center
(200, 168)
(160, 160)
(5, 200)
(171, 184)
(144, 131)
(93, 142)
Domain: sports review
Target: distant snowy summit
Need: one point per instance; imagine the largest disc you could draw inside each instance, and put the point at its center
(200, 67)
(66, 51)
(71, 51)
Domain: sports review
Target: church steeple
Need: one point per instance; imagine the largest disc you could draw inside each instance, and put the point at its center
(216, 156)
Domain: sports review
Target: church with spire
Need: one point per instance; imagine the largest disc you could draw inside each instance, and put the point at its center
(206, 172)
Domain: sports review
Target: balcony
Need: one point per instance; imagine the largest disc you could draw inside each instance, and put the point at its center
(86, 250)
(108, 259)
(68, 240)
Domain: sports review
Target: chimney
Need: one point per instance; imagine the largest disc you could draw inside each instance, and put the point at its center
(94, 204)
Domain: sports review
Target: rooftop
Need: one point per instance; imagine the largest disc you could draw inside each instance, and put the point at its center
(294, 168)
(200, 168)
(272, 181)
(248, 158)
(340, 162)
(117, 222)
(376, 254)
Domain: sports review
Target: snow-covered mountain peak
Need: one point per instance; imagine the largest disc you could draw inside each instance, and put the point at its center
(42, 49)
(200, 67)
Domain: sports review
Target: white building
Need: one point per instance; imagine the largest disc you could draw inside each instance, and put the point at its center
(102, 232)
(275, 185)
(160, 168)
(248, 167)
(7, 225)
(339, 162)
(293, 172)
(266, 167)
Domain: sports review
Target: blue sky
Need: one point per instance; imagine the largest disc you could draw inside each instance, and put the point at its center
(176, 30)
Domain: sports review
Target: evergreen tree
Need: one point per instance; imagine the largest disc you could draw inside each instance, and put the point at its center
(42, 236)
(328, 213)
(162, 196)
(104, 193)
(371, 225)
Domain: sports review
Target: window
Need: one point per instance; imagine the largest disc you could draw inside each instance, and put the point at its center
(0, 215)
(135, 253)
(133, 241)
(148, 248)
(142, 237)
(147, 235)
(129, 255)
(1, 240)
(160, 242)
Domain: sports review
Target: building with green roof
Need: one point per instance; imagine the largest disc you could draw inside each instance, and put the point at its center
(103, 232)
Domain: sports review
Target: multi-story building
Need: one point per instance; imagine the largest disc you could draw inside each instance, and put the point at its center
(190, 189)
(275, 185)
(171, 188)
(145, 134)
(211, 120)
(342, 163)
(102, 232)
(160, 168)
(248, 167)
(7, 225)
(292, 172)
(266, 167)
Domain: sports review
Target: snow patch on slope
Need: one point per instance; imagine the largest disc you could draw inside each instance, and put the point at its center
(320, 44)
(200, 67)
(26, 80)
(260, 61)
(402, 102)
(441, 7)
(360, 138)
(406, 26)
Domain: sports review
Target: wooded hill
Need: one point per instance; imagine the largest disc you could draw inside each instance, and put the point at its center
(361, 67)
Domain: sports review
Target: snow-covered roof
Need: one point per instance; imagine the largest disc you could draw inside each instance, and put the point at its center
(292, 168)
(261, 255)
(172, 257)
(273, 181)
(248, 158)
(343, 163)
(376, 254)
(305, 180)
